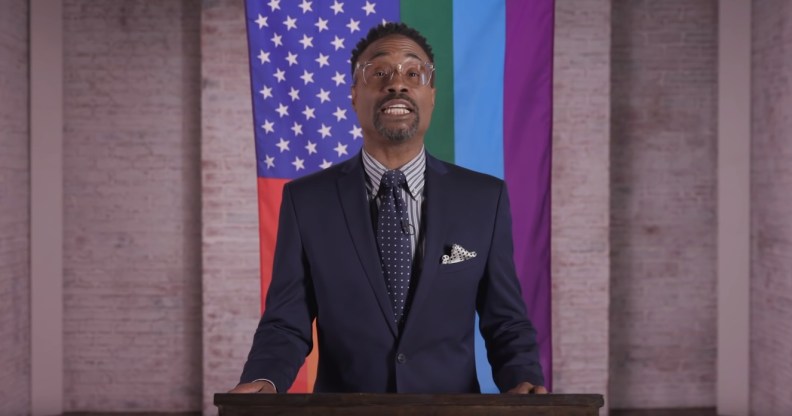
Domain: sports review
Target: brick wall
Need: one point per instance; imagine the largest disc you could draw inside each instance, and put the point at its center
(771, 216)
(663, 204)
(581, 109)
(231, 276)
(14, 210)
(132, 320)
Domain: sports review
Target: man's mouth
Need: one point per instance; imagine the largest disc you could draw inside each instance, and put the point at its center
(396, 110)
(399, 112)
(397, 107)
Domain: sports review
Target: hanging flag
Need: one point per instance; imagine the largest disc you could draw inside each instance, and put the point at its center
(493, 113)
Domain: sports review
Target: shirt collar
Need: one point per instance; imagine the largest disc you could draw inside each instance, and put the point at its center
(413, 170)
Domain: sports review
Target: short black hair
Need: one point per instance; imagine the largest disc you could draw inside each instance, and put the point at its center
(388, 29)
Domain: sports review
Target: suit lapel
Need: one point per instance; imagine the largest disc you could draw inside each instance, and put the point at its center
(437, 192)
(352, 192)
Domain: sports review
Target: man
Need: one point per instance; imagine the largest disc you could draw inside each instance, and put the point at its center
(393, 252)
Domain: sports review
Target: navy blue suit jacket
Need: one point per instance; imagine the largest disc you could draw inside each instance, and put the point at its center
(327, 268)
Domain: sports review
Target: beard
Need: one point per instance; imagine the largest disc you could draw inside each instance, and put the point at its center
(397, 135)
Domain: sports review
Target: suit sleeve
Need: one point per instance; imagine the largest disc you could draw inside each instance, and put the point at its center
(509, 336)
(284, 335)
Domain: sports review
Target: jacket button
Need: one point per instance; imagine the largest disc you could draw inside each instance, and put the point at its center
(401, 358)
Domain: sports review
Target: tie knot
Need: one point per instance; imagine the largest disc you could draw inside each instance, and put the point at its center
(392, 179)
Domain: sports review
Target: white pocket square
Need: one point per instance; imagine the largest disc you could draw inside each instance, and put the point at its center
(458, 254)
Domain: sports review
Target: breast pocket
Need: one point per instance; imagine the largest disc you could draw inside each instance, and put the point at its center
(460, 267)
(460, 281)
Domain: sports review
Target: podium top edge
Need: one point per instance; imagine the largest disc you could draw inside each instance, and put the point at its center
(385, 399)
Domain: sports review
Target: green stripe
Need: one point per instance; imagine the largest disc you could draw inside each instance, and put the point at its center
(434, 20)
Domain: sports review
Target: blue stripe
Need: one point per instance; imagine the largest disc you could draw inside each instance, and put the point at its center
(479, 51)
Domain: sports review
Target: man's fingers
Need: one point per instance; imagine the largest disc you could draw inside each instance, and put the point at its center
(268, 388)
(527, 388)
(254, 387)
(522, 388)
(245, 388)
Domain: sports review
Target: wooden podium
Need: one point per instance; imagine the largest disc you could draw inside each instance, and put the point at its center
(408, 404)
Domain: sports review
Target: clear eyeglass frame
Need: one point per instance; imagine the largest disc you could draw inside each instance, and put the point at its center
(413, 73)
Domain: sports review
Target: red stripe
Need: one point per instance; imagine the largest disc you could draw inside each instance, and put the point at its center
(270, 194)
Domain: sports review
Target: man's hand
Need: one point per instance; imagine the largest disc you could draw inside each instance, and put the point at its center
(260, 386)
(527, 388)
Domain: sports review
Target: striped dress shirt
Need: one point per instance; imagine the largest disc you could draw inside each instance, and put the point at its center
(413, 194)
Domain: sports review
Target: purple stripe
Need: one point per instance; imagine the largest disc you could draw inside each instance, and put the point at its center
(527, 154)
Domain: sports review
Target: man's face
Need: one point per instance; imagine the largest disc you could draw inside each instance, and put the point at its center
(392, 109)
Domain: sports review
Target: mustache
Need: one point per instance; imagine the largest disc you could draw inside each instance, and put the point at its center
(395, 96)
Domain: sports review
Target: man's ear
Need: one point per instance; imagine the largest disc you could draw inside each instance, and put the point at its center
(354, 95)
(433, 96)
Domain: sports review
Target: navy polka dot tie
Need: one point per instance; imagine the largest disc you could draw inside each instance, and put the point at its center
(393, 239)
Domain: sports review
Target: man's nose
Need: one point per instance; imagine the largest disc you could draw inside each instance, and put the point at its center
(396, 82)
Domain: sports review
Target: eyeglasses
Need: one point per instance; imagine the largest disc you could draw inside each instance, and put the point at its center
(413, 73)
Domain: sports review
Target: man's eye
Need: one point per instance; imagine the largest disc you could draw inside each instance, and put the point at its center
(379, 73)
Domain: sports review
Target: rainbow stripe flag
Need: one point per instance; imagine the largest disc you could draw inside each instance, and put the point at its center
(493, 114)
